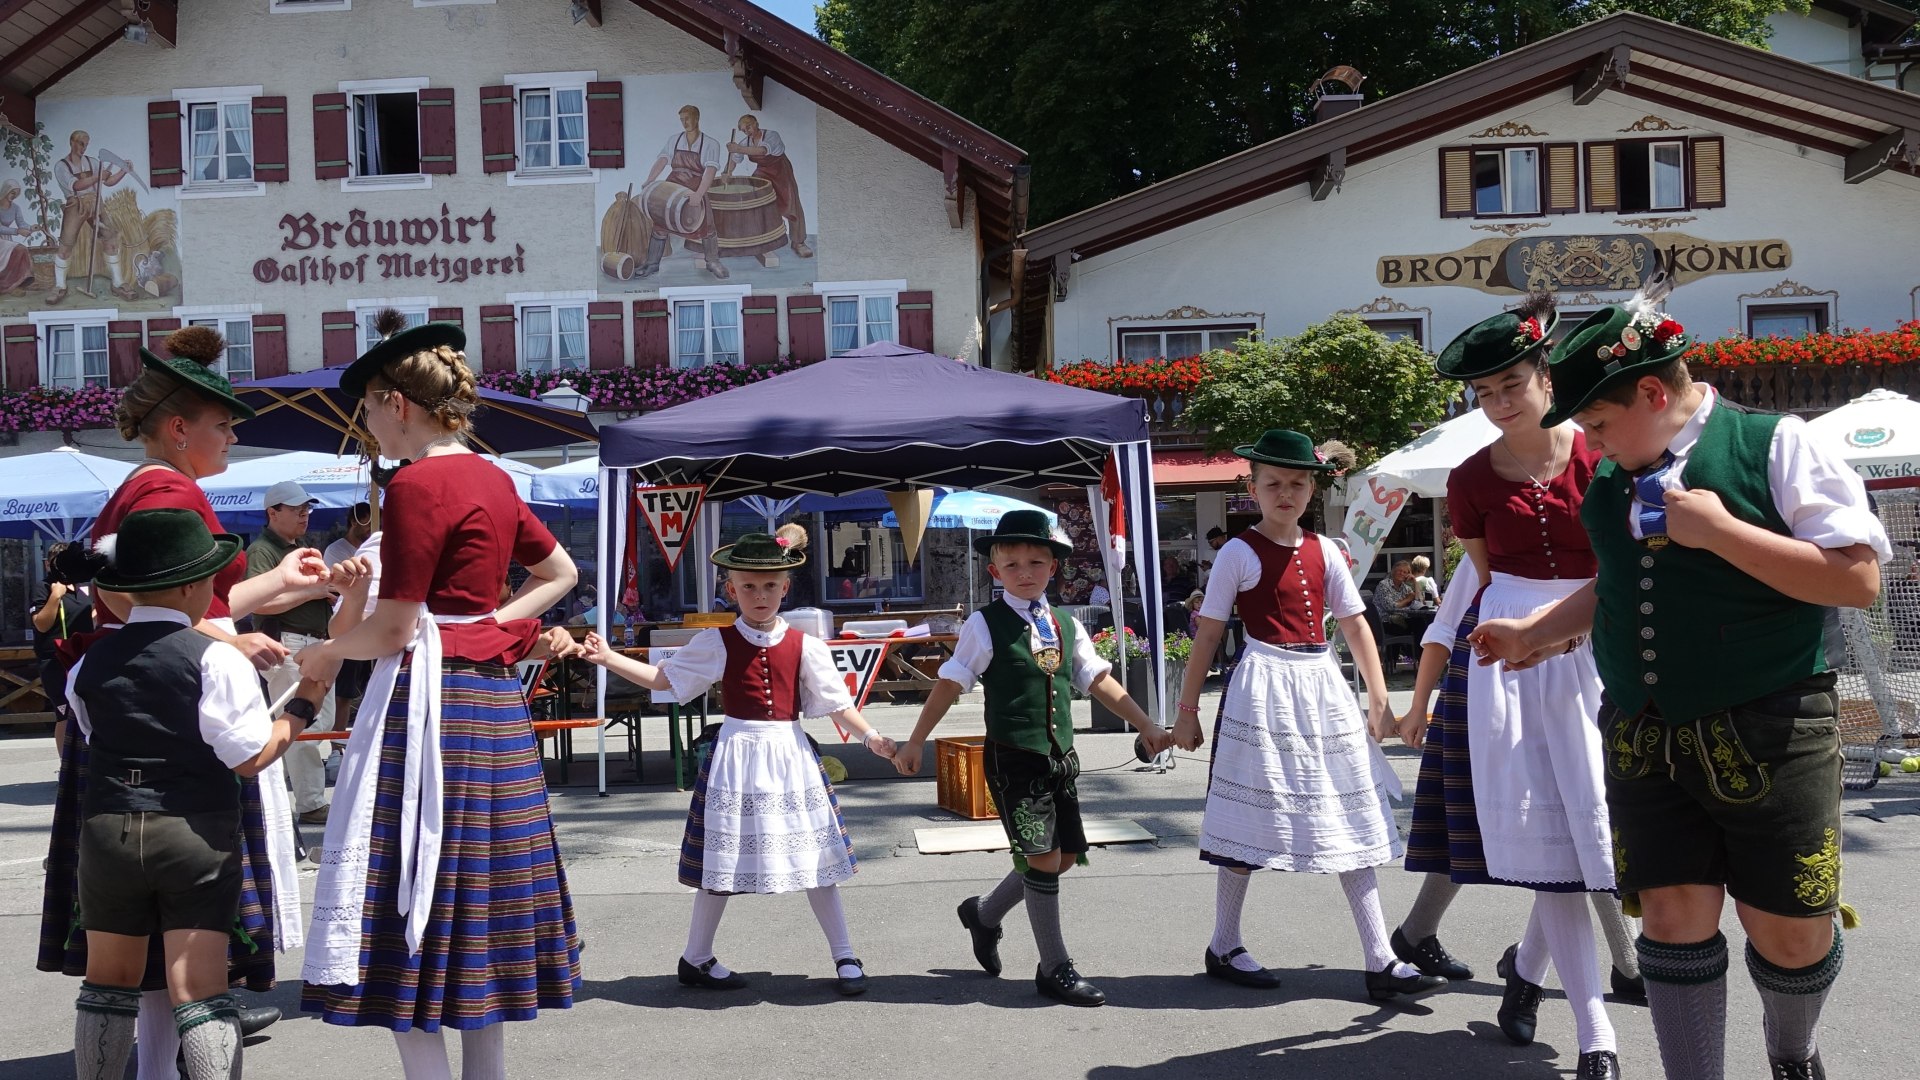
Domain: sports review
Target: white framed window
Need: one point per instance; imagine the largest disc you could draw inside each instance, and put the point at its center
(383, 134)
(1174, 341)
(859, 313)
(236, 363)
(73, 347)
(413, 308)
(217, 141)
(1653, 175)
(706, 324)
(282, 7)
(1400, 328)
(1787, 320)
(553, 336)
(1506, 181)
(550, 128)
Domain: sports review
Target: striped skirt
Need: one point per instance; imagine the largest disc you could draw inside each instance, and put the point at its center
(764, 818)
(63, 939)
(500, 942)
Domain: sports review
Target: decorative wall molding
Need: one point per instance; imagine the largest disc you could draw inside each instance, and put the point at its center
(1510, 228)
(1789, 289)
(1385, 305)
(1188, 313)
(1511, 129)
(1653, 224)
(1654, 123)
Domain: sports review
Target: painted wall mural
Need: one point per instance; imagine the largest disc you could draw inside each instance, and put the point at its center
(79, 226)
(712, 192)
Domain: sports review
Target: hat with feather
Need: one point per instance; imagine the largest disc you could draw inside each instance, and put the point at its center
(397, 341)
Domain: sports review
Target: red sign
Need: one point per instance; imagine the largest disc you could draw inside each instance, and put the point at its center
(671, 512)
(859, 662)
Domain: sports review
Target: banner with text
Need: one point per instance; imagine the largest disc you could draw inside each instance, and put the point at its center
(858, 662)
(1376, 505)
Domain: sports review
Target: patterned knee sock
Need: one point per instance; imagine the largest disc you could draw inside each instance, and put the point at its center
(1001, 899)
(1687, 994)
(1569, 932)
(832, 916)
(210, 1037)
(103, 1030)
(1436, 895)
(1619, 933)
(423, 1055)
(1229, 895)
(707, 909)
(483, 1053)
(1043, 910)
(156, 1046)
(1792, 998)
(1363, 899)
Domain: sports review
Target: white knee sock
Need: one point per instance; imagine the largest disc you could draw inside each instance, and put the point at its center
(1363, 897)
(157, 1048)
(483, 1053)
(707, 909)
(825, 901)
(423, 1055)
(1619, 933)
(1569, 932)
(1530, 960)
(60, 282)
(1229, 895)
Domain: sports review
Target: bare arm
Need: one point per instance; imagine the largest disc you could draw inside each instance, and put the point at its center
(43, 619)
(1366, 657)
(906, 758)
(1207, 633)
(595, 651)
(1515, 640)
(1433, 665)
(286, 729)
(1476, 550)
(547, 584)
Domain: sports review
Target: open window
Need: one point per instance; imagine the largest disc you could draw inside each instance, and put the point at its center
(385, 129)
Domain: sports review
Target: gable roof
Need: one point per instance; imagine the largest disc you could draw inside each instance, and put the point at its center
(1880, 21)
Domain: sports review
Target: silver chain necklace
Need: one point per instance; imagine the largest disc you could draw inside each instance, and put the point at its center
(1552, 456)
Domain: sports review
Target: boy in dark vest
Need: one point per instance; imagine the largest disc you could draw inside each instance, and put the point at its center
(1722, 536)
(171, 715)
(1029, 661)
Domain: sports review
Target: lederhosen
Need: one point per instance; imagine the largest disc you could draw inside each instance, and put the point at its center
(1029, 758)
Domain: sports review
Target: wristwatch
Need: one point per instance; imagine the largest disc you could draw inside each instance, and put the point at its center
(301, 709)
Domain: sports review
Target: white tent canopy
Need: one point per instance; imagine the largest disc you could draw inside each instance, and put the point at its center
(59, 493)
(1877, 433)
(337, 481)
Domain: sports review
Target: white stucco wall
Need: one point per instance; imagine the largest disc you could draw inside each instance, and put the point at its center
(1286, 261)
(879, 211)
(1819, 37)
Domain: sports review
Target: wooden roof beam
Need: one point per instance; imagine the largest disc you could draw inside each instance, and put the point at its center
(747, 74)
(60, 28)
(1610, 70)
(1328, 174)
(1900, 148)
(8, 8)
(16, 111)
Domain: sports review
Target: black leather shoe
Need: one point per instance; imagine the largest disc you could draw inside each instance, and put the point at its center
(1631, 989)
(1385, 985)
(986, 939)
(1063, 984)
(1519, 1003)
(854, 986)
(1431, 957)
(703, 976)
(1221, 967)
(1597, 1065)
(257, 1019)
(1810, 1069)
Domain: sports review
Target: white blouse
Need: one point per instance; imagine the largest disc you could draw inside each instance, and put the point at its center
(702, 662)
(233, 714)
(1237, 568)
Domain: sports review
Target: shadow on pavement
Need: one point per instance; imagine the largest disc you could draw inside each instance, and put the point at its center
(1348, 1054)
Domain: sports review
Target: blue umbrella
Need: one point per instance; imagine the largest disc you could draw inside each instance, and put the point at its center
(57, 493)
(307, 411)
(971, 510)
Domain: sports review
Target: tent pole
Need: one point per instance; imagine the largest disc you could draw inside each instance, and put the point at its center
(609, 545)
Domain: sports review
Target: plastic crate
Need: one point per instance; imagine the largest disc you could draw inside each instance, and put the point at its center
(961, 778)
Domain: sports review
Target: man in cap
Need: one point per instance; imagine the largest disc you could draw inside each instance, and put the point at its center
(288, 505)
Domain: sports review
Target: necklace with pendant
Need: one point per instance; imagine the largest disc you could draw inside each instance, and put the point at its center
(1552, 456)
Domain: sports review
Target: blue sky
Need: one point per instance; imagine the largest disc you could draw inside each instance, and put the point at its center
(797, 12)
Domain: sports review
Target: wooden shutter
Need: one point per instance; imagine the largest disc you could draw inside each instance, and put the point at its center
(499, 333)
(760, 327)
(339, 337)
(652, 334)
(157, 331)
(1707, 172)
(1456, 182)
(163, 144)
(496, 129)
(123, 350)
(454, 315)
(914, 328)
(1562, 175)
(22, 356)
(269, 346)
(436, 129)
(606, 335)
(1603, 178)
(270, 140)
(806, 328)
(330, 150)
(606, 126)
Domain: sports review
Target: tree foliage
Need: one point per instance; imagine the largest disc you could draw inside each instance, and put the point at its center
(1107, 96)
(1339, 379)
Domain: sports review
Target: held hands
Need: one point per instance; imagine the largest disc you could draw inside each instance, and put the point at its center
(594, 649)
(906, 758)
(1156, 739)
(1380, 723)
(560, 644)
(260, 650)
(881, 746)
(1186, 732)
(304, 571)
(347, 573)
(1501, 639)
(1413, 727)
(318, 663)
(1696, 518)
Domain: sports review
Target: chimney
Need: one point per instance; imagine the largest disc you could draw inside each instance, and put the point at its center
(1336, 92)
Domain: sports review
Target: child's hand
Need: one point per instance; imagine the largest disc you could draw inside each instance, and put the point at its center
(882, 746)
(1156, 739)
(1413, 728)
(906, 759)
(594, 649)
(1379, 720)
(1186, 732)
(560, 643)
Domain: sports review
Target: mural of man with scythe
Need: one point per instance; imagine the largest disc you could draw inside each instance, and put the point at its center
(81, 179)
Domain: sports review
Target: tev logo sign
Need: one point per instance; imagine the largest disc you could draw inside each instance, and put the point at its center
(671, 512)
(858, 662)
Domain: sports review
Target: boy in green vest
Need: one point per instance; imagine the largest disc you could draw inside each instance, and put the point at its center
(1722, 535)
(1029, 662)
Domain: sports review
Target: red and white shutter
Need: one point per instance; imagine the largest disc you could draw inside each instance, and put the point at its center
(339, 337)
(806, 328)
(914, 314)
(157, 331)
(652, 334)
(436, 130)
(270, 140)
(496, 129)
(22, 356)
(454, 315)
(269, 346)
(499, 338)
(163, 144)
(606, 126)
(330, 150)
(606, 335)
(123, 350)
(760, 327)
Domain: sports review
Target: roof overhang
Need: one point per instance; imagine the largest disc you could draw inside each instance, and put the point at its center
(1880, 21)
(41, 41)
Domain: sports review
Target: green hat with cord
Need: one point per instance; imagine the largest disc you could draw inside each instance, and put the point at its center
(162, 549)
(1022, 527)
(1286, 449)
(398, 342)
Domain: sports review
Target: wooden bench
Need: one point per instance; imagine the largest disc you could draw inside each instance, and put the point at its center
(561, 730)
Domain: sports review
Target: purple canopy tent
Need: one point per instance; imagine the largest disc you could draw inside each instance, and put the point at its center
(307, 411)
(889, 417)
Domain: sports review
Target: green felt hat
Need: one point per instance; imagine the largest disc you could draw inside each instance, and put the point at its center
(1287, 449)
(1615, 344)
(161, 549)
(199, 378)
(760, 551)
(398, 346)
(1493, 345)
(1022, 527)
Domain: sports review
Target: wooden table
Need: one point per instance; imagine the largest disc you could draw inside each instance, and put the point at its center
(563, 751)
(20, 685)
(907, 661)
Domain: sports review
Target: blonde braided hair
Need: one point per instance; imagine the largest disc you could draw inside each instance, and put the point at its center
(439, 381)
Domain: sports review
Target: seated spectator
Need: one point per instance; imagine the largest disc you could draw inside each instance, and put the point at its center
(1393, 598)
(1425, 589)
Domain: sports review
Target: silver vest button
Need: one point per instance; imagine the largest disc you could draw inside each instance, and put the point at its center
(1647, 655)
(1646, 561)
(1646, 583)
(1649, 678)
(1646, 633)
(1646, 609)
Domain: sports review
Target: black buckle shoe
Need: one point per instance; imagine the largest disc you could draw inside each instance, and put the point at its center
(1629, 988)
(986, 939)
(1221, 967)
(1385, 985)
(850, 986)
(1431, 957)
(1597, 1065)
(1519, 1003)
(1063, 984)
(1810, 1069)
(703, 977)
(257, 1019)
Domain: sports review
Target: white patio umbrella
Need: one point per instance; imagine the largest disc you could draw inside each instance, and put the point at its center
(575, 485)
(58, 492)
(1423, 464)
(337, 481)
(1878, 433)
(971, 510)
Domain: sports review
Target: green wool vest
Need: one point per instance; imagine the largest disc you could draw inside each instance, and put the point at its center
(1019, 707)
(1681, 628)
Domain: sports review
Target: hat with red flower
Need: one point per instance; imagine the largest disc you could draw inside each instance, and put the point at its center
(1493, 345)
(1620, 342)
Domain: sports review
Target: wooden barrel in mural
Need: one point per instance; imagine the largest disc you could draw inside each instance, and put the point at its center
(673, 207)
(624, 232)
(617, 265)
(747, 216)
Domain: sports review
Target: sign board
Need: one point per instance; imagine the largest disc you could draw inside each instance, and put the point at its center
(1375, 507)
(670, 512)
(1557, 263)
(859, 662)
